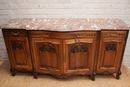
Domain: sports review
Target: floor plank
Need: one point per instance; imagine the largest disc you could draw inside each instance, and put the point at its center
(27, 80)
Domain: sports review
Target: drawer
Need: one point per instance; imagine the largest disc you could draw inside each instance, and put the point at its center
(63, 35)
(113, 34)
(14, 33)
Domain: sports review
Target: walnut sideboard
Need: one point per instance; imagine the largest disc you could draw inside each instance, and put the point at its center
(66, 47)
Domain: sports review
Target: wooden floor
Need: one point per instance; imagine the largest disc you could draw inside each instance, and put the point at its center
(27, 80)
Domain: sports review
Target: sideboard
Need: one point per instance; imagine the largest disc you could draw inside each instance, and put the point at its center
(66, 47)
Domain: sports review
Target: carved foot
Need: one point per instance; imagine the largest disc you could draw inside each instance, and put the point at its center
(35, 74)
(13, 71)
(93, 76)
(118, 75)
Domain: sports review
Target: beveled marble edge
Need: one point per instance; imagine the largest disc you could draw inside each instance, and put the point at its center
(65, 24)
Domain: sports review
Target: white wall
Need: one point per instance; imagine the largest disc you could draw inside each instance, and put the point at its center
(64, 9)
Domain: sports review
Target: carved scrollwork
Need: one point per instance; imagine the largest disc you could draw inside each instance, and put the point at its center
(120, 34)
(17, 45)
(111, 46)
(90, 34)
(106, 72)
(47, 47)
(79, 47)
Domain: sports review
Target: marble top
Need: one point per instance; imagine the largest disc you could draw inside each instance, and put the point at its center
(63, 24)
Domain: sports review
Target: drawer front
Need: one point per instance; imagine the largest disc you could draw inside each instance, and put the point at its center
(14, 33)
(117, 34)
(63, 35)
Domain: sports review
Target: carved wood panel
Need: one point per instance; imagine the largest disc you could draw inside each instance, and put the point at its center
(78, 54)
(114, 33)
(110, 54)
(91, 34)
(37, 34)
(17, 45)
(18, 49)
(47, 47)
(111, 46)
(48, 54)
(79, 47)
(110, 49)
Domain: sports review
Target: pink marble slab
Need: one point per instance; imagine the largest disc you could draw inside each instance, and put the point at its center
(64, 24)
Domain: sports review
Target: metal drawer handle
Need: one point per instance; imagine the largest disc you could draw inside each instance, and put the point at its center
(15, 33)
(46, 35)
(113, 35)
(79, 35)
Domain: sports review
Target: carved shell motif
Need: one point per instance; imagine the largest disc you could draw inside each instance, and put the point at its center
(47, 47)
(79, 47)
(17, 45)
(111, 46)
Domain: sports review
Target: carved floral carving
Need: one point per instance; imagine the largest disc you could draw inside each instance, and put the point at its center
(79, 47)
(47, 47)
(17, 45)
(111, 46)
(115, 34)
(90, 34)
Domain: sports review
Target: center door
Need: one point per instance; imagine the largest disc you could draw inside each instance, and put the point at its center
(78, 56)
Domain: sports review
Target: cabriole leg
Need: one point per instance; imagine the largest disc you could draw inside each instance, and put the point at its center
(93, 76)
(35, 74)
(118, 75)
(13, 71)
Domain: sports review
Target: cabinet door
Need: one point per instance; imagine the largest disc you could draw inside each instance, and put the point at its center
(79, 56)
(110, 54)
(19, 53)
(47, 55)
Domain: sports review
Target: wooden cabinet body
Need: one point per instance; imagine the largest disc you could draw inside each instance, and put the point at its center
(64, 54)
(18, 50)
